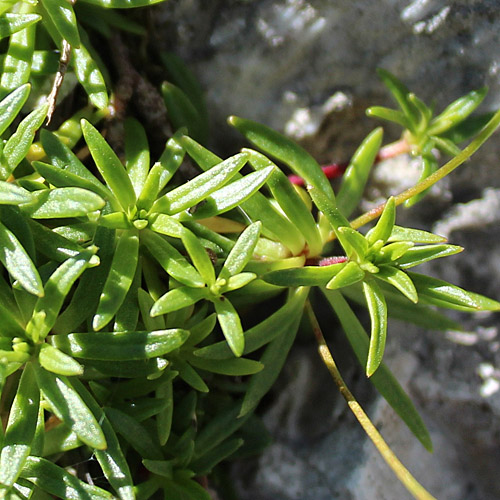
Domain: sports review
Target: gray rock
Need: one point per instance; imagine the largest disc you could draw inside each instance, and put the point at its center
(308, 68)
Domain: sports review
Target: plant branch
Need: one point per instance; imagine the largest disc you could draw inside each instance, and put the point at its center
(403, 474)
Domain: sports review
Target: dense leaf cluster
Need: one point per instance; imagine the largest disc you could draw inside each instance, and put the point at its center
(144, 316)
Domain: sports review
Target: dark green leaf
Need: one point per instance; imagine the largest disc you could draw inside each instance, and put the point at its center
(382, 379)
(236, 367)
(122, 4)
(10, 194)
(63, 16)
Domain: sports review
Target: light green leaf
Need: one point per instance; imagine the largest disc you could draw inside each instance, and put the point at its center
(457, 111)
(62, 202)
(18, 263)
(232, 195)
(392, 252)
(356, 176)
(378, 315)
(68, 406)
(20, 430)
(354, 243)
(388, 114)
(120, 277)
(136, 153)
(57, 481)
(189, 194)
(238, 281)
(63, 16)
(10, 194)
(230, 324)
(290, 202)
(109, 166)
(171, 260)
(415, 235)
(11, 105)
(384, 227)
(304, 276)
(418, 255)
(199, 256)
(90, 77)
(284, 150)
(177, 299)
(120, 346)
(55, 361)
(18, 144)
(242, 251)
(348, 275)
(399, 280)
(12, 23)
(57, 288)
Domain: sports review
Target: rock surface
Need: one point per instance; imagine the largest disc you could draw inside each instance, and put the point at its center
(308, 68)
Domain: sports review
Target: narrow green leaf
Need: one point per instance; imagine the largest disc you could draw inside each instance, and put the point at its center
(189, 194)
(385, 225)
(127, 316)
(136, 153)
(18, 144)
(109, 166)
(164, 418)
(467, 128)
(171, 260)
(399, 280)
(20, 431)
(120, 346)
(135, 434)
(415, 235)
(304, 276)
(274, 224)
(44, 62)
(348, 275)
(63, 16)
(62, 202)
(199, 256)
(232, 195)
(68, 406)
(18, 263)
(65, 177)
(378, 315)
(17, 63)
(354, 243)
(11, 105)
(177, 299)
(385, 383)
(237, 367)
(400, 93)
(388, 114)
(112, 460)
(207, 462)
(433, 289)
(58, 482)
(55, 361)
(356, 176)
(56, 288)
(90, 76)
(327, 205)
(418, 255)
(242, 251)
(273, 326)
(230, 324)
(238, 281)
(126, 369)
(182, 112)
(445, 146)
(273, 359)
(290, 202)
(190, 376)
(119, 279)
(12, 23)
(284, 150)
(392, 252)
(10, 194)
(457, 111)
(122, 4)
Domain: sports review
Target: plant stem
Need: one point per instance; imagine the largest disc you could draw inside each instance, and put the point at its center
(403, 474)
(447, 168)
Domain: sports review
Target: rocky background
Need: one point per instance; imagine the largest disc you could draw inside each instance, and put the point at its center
(308, 68)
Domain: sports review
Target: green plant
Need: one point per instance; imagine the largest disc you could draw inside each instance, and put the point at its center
(144, 316)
